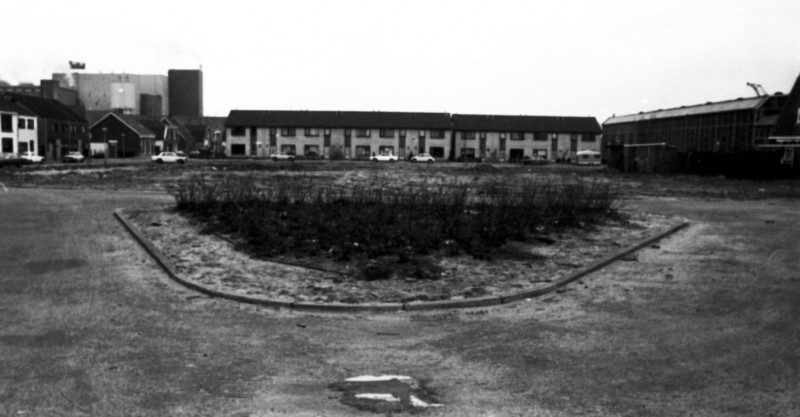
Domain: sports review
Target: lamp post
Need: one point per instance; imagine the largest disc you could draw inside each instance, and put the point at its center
(105, 139)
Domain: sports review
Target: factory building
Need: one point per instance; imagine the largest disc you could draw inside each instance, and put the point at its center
(185, 93)
(728, 138)
(116, 92)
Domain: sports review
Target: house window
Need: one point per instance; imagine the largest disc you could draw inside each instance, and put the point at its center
(8, 145)
(587, 137)
(468, 135)
(311, 150)
(468, 153)
(21, 123)
(402, 133)
(362, 151)
(6, 123)
(287, 131)
(362, 133)
(386, 133)
(327, 132)
(436, 151)
(502, 135)
(437, 134)
(288, 149)
(238, 149)
(540, 137)
(517, 136)
(312, 132)
(386, 150)
(30, 124)
(483, 135)
(238, 131)
(422, 133)
(540, 153)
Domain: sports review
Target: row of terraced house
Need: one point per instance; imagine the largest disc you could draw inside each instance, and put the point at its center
(360, 135)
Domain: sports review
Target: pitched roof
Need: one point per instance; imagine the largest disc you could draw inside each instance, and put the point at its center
(130, 122)
(154, 125)
(9, 106)
(718, 107)
(548, 124)
(337, 119)
(46, 108)
(157, 125)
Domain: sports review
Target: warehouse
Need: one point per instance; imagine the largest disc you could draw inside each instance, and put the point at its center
(720, 138)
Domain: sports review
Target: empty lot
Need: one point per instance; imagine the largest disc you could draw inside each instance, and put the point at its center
(707, 323)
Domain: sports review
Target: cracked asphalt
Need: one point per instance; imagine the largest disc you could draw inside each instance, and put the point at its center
(705, 323)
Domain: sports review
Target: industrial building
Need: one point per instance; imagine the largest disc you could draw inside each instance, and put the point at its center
(117, 92)
(185, 92)
(179, 93)
(729, 138)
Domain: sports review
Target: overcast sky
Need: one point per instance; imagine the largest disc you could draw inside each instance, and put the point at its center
(570, 58)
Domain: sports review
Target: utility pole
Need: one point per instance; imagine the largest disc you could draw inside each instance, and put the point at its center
(105, 139)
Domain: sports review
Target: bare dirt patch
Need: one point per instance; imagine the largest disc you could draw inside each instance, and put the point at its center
(215, 262)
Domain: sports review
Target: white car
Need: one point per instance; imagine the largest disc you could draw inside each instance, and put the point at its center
(423, 157)
(72, 157)
(32, 157)
(175, 157)
(384, 157)
(282, 157)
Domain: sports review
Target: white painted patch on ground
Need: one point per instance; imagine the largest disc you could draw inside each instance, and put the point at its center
(380, 397)
(371, 378)
(416, 402)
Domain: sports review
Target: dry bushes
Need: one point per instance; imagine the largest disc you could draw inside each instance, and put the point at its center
(298, 216)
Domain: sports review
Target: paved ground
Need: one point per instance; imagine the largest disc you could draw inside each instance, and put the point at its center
(706, 324)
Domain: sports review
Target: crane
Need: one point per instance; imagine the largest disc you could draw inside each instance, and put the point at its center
(759, 89)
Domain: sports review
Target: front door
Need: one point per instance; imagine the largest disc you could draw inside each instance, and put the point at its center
(554, 148)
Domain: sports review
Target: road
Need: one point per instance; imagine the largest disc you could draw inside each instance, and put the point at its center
(705, 324)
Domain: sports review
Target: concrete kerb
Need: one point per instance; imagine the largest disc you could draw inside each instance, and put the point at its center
(387, 307)
(591, 267)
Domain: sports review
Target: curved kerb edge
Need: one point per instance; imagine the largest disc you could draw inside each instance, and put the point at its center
(388, 307)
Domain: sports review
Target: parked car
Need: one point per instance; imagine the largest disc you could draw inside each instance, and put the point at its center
(384, 157)
(282, 157)
(72, 157)
(176, 157)
(588, 157)
(536, 160)
(423, 157)
(11, 159)
(32, 157)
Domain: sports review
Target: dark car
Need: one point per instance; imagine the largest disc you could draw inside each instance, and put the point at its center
(536, 160)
